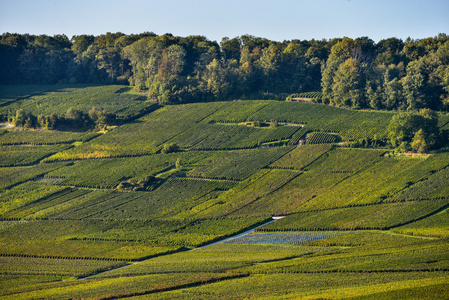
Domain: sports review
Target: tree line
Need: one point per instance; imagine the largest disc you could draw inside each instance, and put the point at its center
(391, 74)
(73, 119)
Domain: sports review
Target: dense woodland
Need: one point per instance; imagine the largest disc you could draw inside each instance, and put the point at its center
(391, 74)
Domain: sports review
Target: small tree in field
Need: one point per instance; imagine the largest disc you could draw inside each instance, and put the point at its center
(419, 143)
(20, 118)
(178, 165)
(170, 148)
(418, 131)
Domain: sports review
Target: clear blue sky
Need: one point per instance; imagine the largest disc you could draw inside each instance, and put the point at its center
(276, 20)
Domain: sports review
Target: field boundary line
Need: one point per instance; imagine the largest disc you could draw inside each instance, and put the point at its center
(409, 235)
(363, 205)
(61, 257)
(354, 271)
(422, 217)
(271, 192)
(178, 287)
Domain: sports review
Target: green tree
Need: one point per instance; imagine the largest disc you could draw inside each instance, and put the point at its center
(20, 118)
(347, 88)
(402, 128)
(419, 143)
(109, 59)
(340, 52)
(172, 62)
(374, 97)
(218, 79)
(413, 85)
(178, 165)
(170, 148)
(419, 130)
(393, 94)
(231, 48)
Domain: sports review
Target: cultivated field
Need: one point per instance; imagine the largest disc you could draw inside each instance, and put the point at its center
(115, 214)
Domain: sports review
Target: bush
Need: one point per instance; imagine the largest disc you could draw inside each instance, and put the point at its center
(170, 148)
(418, 131)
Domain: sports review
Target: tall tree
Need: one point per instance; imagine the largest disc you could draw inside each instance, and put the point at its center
(348, 86)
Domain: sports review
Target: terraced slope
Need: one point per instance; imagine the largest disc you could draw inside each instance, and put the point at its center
(75, 205)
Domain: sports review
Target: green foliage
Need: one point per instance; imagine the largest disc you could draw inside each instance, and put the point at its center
(66, 239)
(169, 148)
(418, 129)
(298, 136)
(176, 195)
(120, 287)
(48, 205)
(361, 124)
(318, 286)
(238, 111)
(202, 232)
(300, 113)
(391, 74)
(347, 88)
(311, 95)
(232, 136)
(146, 184)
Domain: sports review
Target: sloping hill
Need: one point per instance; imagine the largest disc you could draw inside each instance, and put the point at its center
(358, 222)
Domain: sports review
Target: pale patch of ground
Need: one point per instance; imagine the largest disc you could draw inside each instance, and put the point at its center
(7, 125)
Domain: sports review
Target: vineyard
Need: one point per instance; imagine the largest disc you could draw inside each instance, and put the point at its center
(228, 165)
(381, 216)
(58, 99)
(322, 138)
(301, 157)
(312, 95)
(11, 156)
(87, 173)
(23, 137)
(132, 211)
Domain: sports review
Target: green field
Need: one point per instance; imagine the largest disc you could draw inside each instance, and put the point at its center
(124, 213)
(56, 99)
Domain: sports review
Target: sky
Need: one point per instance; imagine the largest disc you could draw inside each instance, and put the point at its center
(275, 20)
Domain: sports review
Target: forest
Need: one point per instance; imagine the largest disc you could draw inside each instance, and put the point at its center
(391, 74)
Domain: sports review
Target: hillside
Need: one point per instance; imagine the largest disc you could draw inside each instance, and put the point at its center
(114, 213)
